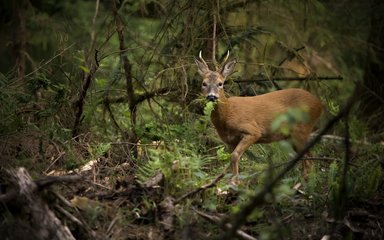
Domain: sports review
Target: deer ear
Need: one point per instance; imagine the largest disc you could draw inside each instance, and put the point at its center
(228, 68)
(202, 67)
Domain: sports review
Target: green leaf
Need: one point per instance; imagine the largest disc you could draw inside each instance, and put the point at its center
(85, 69)
(222, 154)
(209, 107)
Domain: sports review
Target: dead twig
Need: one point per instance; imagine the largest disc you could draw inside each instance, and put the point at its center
(68, 215)
(88, 78)
(216, 220)
(49, 180)
(342, 139)
(50, 60)
(54, 161)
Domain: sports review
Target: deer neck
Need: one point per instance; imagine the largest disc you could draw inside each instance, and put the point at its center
(220, 112)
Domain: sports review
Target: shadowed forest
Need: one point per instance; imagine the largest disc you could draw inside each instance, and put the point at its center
(105, 132)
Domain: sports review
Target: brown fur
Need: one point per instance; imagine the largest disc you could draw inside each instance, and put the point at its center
(243, 121)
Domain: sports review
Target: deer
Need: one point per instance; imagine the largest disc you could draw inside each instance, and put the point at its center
(243, 121)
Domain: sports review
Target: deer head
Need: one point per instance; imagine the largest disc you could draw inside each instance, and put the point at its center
(213, 81)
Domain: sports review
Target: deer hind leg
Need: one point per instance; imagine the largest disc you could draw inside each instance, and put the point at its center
(300, 137)
(238, 151)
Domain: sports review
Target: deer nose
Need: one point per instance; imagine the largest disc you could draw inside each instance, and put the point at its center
(211, 98)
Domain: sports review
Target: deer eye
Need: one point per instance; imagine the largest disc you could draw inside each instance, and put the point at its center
(204, 84)
(220, 84)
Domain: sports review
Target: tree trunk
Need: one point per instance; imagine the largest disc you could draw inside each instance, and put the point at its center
(371, 108)
(19, 37)
(132, 136)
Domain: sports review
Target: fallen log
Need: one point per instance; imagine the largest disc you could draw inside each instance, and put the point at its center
(23, 193)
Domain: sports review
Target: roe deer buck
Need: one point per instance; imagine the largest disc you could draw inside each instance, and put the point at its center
(243, 121)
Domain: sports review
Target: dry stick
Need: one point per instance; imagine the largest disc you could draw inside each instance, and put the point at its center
(217, 220)
(109, 110)
(90, 232)
(342, 139)
(92, 43)
(50, 60)
(83, 93)
(62, 199)
(140, 98)
(275, 69)
(240, 217)
(128, 75)
(206, 186)
(54, 161)
(214, 41)
(123, 55)
(49, 180)
(68, 215)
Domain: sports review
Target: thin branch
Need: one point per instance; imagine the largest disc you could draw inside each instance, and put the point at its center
(93, 32)
(83, 93)
(238, 219)
(69, 215)
(154, 93)
(342, 139)
(54, 161)
(311, 78)
(49, 180)
(123, 55)
(214, 41)
(140, 98)
(109, 110)
(274, 71)
(50, 60)
(217, 220)
(131, 95)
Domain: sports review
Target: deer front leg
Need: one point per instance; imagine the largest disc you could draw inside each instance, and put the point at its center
(300, 137)
(241, 147)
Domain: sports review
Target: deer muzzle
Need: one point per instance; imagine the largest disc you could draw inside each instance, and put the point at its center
(212, 98)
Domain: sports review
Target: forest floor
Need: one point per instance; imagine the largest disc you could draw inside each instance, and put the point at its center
(109, 202)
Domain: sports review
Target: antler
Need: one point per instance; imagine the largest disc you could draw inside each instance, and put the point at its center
(202, 59)
(224, 61)
(226, 58)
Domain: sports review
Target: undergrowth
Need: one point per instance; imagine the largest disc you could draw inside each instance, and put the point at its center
(190, 154)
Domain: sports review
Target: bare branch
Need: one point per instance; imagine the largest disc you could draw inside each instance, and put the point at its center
(311, 78)
(214, 42)
(140, 98)
(50, 60)
(49, 180)
(217, 220)
(83, 93)
(154, 93)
